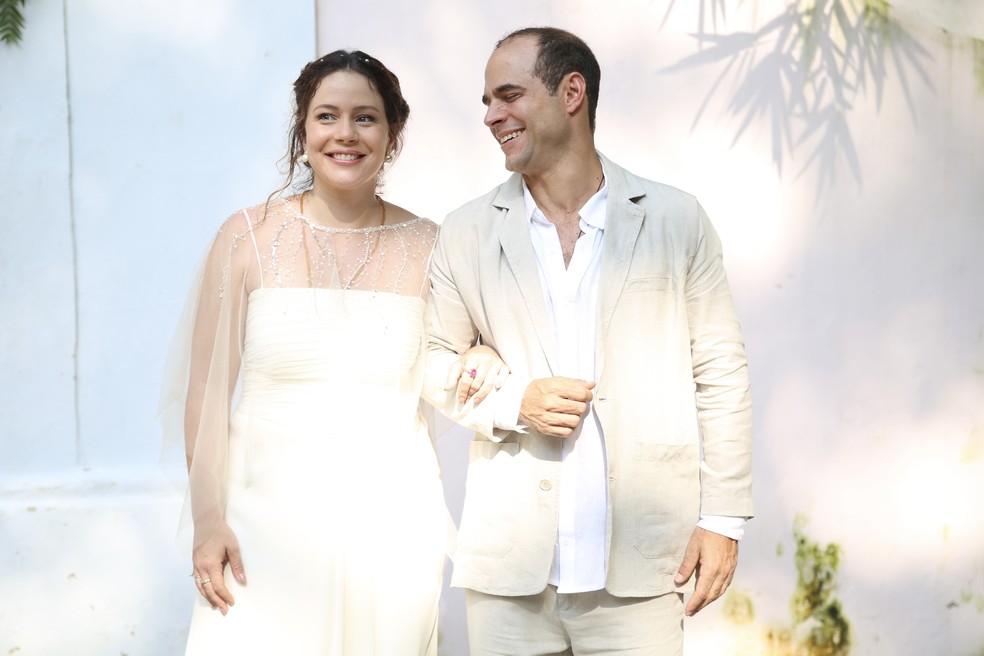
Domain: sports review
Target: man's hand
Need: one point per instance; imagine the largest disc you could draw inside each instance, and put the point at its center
(554, 406)
(714, 558)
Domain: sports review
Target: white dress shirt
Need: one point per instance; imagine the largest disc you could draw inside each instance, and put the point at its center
(570, 294)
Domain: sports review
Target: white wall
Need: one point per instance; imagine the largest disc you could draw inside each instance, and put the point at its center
(858, 290)
(119, 161)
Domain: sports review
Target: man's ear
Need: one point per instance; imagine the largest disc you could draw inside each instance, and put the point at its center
(575, 91)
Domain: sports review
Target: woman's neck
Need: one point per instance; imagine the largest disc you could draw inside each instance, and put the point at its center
(357, 209)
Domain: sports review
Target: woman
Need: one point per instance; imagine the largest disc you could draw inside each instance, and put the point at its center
(322, 480)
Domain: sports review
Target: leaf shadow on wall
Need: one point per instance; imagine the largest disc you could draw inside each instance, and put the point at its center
(803, 70)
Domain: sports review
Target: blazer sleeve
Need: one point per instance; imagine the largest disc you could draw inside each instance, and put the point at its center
(451, 333)
(720, 371)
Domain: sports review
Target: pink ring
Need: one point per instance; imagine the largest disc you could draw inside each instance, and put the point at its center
(473, 373)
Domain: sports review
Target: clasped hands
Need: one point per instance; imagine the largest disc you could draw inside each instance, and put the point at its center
(478, 371)
(555, 406)
(552, 406)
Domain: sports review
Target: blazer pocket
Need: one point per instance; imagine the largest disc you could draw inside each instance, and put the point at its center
(668, 500)
(484, 449)
(665, 452)
(649, 284)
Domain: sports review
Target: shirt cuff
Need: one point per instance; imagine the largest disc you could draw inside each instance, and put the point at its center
(508, 399)
(731, 527)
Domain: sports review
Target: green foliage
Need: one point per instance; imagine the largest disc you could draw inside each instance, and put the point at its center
(816, 612)
(738, 607)
(877, 10)
(11, 21)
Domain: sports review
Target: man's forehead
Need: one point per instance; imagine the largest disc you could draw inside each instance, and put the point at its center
(511, 65)
(518, 50)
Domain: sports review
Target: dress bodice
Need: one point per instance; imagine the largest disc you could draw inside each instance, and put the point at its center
(302, 344)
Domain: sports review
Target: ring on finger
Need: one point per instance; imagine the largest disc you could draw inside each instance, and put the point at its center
(204, 581)
(472, 373)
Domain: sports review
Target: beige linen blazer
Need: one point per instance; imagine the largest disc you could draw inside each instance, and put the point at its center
(672, 393)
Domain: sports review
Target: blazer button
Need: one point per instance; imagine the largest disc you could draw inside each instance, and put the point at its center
(545, 485)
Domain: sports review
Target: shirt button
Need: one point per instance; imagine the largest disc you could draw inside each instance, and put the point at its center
(545, 485)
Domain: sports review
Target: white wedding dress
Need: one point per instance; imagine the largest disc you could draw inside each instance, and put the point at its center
(332, 486)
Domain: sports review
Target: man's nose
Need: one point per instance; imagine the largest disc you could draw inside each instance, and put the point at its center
(493, 114)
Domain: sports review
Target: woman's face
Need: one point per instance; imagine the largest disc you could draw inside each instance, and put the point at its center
(347, 135)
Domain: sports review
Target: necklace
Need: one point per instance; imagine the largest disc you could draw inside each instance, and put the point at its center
(371, 235)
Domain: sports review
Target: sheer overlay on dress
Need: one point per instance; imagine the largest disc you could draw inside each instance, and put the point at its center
(268, 246)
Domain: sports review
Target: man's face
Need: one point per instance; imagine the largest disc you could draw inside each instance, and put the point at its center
(529, 124)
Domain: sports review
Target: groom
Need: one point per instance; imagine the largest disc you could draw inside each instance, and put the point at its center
(612, 471)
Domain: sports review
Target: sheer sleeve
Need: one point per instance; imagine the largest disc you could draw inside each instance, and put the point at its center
(203, 370)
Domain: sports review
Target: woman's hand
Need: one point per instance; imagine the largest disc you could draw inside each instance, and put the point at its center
(479, 370)
(209, 559)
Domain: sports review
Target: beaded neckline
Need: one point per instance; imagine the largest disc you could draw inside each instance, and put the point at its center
(390, 226)
(323, 228)
(290, 250)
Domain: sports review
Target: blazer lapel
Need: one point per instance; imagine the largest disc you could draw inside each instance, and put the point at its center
(514, 236)
(623, 221)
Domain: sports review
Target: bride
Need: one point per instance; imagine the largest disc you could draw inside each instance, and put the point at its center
(310, 466)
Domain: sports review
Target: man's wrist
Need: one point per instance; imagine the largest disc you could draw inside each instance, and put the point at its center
(726, 525)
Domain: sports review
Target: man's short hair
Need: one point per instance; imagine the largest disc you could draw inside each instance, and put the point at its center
(559, 53)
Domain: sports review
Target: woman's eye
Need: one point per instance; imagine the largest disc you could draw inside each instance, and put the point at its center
(366, 119)
(325, 117)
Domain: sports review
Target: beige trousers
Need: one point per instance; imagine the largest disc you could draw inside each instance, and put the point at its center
(581, 624)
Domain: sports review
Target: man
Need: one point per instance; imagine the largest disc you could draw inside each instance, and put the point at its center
(612, 470)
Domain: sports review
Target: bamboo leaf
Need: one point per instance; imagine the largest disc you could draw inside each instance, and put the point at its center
(11, 21)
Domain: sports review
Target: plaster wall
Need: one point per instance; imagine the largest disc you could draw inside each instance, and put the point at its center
(128, 131)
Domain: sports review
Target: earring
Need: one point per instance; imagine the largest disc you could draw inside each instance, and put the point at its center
(389, 157)
(303, 158)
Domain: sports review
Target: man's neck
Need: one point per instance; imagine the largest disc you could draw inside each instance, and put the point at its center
(562, 191)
